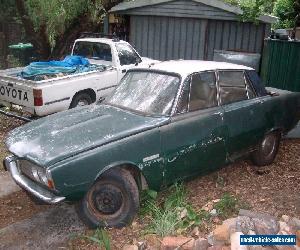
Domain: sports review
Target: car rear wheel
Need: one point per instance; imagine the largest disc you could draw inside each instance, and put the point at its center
(267, 150)
(112, 201)
(81, 99)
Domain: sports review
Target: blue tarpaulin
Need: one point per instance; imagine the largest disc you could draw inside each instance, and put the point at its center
(70, 64)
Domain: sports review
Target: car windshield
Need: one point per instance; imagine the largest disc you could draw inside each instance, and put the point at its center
(151, 93)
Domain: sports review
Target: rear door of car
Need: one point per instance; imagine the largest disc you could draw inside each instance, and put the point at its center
(193, 142)
(244, 117)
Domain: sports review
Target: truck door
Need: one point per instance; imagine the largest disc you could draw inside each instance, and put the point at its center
(128, 58)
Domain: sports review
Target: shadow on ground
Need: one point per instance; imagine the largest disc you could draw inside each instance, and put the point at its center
(47, 230)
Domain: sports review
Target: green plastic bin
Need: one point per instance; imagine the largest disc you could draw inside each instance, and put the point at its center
(24, 52)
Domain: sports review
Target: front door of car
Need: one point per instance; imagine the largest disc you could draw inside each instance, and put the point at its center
(193, 142)
(243, 114)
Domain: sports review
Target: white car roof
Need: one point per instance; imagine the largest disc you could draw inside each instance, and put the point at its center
(187, 67)
(99, 40)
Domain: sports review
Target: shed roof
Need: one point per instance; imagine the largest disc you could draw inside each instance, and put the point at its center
(134, 4)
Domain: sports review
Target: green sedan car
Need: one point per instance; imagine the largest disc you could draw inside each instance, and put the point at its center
(173, 121)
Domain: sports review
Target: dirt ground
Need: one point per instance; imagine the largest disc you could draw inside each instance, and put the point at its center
(6, 125)
(274, 190)
(17, 206)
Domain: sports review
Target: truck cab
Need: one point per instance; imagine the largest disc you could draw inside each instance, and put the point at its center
(111, 52)
(110, 59)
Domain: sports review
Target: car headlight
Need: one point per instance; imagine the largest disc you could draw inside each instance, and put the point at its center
(36, 173)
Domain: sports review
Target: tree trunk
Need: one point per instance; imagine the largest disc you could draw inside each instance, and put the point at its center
(38, 39)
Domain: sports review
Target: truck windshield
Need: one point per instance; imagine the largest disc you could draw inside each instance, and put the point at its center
(147, 92)
(96, 51)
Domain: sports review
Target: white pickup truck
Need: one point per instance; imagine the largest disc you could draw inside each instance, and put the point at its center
(41, 97)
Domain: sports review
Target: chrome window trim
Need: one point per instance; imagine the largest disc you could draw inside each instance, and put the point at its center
(245, 83)
(248, 82)
(190, 82)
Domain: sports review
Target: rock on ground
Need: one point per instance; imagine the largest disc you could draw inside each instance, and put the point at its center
(7, 185)
(180, 242)
(46, 230)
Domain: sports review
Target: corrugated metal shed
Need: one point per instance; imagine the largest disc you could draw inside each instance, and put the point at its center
(191, 29)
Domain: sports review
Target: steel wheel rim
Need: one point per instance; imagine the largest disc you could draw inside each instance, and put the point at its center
(82, 103)
(106, 201)
(269, 145)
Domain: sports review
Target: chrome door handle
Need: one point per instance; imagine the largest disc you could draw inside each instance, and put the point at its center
(219, 113)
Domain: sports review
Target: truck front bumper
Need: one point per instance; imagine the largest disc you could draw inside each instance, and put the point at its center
(10, 164)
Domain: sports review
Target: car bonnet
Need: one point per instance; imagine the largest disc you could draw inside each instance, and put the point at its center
(59, 136)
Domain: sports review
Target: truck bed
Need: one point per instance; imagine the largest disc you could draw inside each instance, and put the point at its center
(12, 76)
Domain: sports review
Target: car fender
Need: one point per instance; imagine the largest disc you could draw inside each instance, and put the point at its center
(142, 181)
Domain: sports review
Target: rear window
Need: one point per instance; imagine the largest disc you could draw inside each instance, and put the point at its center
(256, 82)
(232, 86)
(96, 51)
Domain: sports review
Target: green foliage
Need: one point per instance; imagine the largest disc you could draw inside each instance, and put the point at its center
(171, 216)
(284, 10)
(227, 206)
(176, 197)
(7, 10)
(174, 215)
(147, 199)
(101, 238)
(14, 62)
(163, 222)
(58, 15)
(253, 9)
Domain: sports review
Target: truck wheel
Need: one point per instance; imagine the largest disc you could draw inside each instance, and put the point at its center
(81, 99)
(112, 201)
(267, 150)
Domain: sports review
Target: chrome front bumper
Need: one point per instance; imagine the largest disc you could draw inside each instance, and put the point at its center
(10, 164)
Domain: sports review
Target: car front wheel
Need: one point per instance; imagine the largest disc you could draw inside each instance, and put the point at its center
(266, 150)
(112, 201)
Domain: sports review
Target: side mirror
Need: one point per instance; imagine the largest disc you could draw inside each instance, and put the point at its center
(102, 99)
(138, 60)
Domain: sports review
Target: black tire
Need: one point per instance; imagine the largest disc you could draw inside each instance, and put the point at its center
(81, 99)
(266, 150)
(112, 201)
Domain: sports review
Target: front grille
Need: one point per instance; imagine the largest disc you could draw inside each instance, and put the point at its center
(25, 168)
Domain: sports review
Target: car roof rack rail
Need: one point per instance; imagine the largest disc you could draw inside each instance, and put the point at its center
(113, 36)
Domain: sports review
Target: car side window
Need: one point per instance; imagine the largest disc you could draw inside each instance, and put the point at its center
(199, 92)
(203, 92)
(127, 55)
(232, 86)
